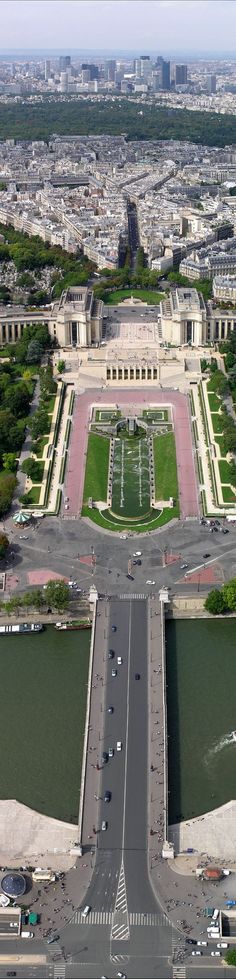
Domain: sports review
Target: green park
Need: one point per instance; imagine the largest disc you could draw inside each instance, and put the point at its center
(118, 470)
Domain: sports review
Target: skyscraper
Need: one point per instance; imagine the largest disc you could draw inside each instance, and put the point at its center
(211, 84)
(64, 62)
(166, 75)
(181, 74)
(47, 70)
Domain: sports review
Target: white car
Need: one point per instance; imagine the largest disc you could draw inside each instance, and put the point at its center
(182, 566)
(119, 745)
(215, 953)
(137, 554)
(202, 943)
(149, 582)
(23, 537)
(119, 660)
(196, 953)
(123, 536)
(222, 945)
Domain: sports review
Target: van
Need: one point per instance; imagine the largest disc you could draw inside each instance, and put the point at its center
(86, 911)
(215, 915)
(27, 934)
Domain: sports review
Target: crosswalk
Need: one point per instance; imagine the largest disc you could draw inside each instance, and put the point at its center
(131, 595)
(59, 970)
(178, 949)
(179, 971)
(133, 919)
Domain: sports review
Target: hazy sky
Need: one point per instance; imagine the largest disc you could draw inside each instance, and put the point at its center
(125, 25)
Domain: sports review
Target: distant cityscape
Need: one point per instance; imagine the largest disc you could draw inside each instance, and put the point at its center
(201, 84)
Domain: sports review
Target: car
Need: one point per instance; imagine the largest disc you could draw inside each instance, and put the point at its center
(137, 676)
(114, 672)
(137, 554)
(23, 537)
(191, 941)
(119, 660)
(52, 938)
(139, 562)
(107, 796)
(104, 825)
(149, 582)
(130, 576)
(119, 745)
(111, 654)
(111, 752)
(113, 628)
(123, 536)
(206, 555)
(86, 910)
(121, 975)
(196, 953)
(222, 945)
(12, 973)
(13, 924)
(182, 566)
(110, 710)
(202, 943)
(225, 530)
(104, 757)
(215, 953)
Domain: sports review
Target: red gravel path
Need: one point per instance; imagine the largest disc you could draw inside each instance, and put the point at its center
(78, 445)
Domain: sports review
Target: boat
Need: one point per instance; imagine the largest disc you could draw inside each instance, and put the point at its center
(233, 735)
(22, 628)
(74, 624)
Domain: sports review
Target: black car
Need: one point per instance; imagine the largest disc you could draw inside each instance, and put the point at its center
(137, 676)
(138, 562)
(111, 654)
(104, 757)
(11, 973)
(110, 710)
(107, 796)
(225, 530)
(130, 576)
(206, 555)
(113, 628)
(191, 941)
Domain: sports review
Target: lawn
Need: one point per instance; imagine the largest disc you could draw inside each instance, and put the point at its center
(169, 513)
(219, 441)
(49, 404)
(33, 495)
(131, 478)
(228, 495)
(214, 402)
(44, 679)
(217, 423)
(146, 295)
(155, 414)
(166, 482)
(224, 470)
(96, 473)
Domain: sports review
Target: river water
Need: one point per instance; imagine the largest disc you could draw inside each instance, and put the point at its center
(201, 696)
(43, 692)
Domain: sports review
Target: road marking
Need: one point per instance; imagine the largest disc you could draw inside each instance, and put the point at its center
(150, 920)
(204, 564)
(94, 918)
(59, 971)
(132, 596)
(120, 920)
(179, 971)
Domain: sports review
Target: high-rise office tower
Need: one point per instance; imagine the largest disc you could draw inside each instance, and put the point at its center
(181, 74)
(211, 84)
(145, 65)
(64, 62)
(166, 75)
(47, 70)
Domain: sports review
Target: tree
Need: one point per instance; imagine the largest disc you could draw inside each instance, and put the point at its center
(7, 486)
(229, 594)
(61, 366)
(9, 462)
(57, 595)
(230, 956)
(33, 469)
(39, 423)
(34, 352)
(215, 602)
(4, 544)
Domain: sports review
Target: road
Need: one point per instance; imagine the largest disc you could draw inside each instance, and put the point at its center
(126, 917)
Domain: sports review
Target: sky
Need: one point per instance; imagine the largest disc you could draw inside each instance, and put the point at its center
(118, 25)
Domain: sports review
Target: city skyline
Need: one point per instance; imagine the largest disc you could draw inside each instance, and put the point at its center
(197, 26)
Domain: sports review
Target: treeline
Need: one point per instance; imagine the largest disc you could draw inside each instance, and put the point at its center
(24, 120)
(32, 254)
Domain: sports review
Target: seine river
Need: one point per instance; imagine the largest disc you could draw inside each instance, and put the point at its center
(201, 696)
(43, 703)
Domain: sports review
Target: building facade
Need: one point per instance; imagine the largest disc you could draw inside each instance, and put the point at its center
(74, 321)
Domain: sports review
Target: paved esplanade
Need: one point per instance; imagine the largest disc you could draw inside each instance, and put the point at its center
(126, 928)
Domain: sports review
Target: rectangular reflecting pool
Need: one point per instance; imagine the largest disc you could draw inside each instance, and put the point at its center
(201, 700)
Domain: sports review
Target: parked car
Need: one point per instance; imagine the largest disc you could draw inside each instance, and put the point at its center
(104, 757)
(113, 628)
(107, 796)
(110, 710)
(111, 654)
(119, 745)
(104, 825)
